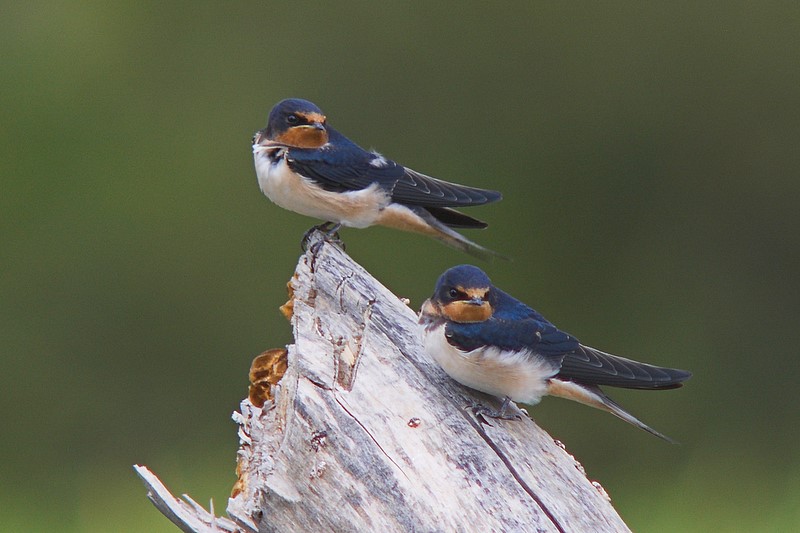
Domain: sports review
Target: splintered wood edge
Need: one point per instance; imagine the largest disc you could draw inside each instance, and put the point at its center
(192, 517)
(188, 515)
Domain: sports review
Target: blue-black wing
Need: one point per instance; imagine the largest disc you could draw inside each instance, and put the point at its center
(591, 366)
(515, 326)
(344, 166)
(535, 336)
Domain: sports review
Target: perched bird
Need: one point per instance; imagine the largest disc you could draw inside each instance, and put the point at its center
(306, 166)
(490, 341)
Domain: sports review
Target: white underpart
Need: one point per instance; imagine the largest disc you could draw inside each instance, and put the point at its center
(357, 209)
(519, 375)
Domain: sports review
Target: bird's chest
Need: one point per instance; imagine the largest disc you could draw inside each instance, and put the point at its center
(302, 195)
(520, 375)
(280, 184)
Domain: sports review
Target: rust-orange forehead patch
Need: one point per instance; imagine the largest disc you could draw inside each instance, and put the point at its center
(312, 117)
(474, 292)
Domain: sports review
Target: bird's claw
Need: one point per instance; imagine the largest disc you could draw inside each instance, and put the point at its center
(330, 233)
(482, 412)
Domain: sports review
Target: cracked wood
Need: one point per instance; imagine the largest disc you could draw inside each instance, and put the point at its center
(363, 432)
(400, 452)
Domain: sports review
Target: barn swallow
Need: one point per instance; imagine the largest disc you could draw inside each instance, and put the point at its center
(306, 166)
(490, 341)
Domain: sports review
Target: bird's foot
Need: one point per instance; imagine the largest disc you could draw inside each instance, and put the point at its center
(330, 232)
(482, 412)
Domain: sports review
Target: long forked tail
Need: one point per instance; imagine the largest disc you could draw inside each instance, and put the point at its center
(418, 219)
(459, 242)
(440, 228)
(592, 396)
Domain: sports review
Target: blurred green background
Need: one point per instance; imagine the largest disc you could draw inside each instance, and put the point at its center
(648, 154)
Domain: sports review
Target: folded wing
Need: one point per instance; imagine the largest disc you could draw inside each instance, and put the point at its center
(588, 365)
(342, 165)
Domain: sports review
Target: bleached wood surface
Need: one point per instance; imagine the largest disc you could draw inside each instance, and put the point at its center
(366, 433)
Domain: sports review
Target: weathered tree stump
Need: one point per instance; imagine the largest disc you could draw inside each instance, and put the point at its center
(363, 432)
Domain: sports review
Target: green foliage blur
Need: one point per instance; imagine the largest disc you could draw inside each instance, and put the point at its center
(648, 154)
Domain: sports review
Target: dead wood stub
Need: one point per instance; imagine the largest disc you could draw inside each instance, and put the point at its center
(364, 432)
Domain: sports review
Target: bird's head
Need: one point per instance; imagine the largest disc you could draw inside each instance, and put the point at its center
(463, 294)
(296, 123)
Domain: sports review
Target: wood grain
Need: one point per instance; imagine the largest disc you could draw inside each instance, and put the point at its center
(365, 433)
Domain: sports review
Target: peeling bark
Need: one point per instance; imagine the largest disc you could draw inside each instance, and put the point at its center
(364, 432)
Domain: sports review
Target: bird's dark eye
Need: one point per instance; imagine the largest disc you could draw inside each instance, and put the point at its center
(292, 119)
(453, 293)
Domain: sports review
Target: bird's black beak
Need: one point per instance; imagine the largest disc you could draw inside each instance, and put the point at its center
(258, 137)
(476, 300)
